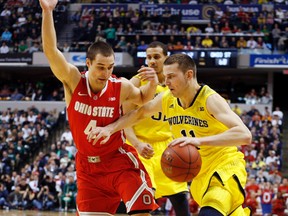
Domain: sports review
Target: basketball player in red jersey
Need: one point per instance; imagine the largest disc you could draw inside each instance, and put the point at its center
(107, 173)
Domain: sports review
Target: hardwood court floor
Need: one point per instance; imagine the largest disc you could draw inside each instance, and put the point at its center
(37, 213)
(34, 213)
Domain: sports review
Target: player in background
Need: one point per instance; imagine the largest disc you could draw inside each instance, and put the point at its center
(152, 135)
(105, 174)
(201, 117)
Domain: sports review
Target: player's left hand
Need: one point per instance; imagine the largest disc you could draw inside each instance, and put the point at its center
(97, 134)
(182, 141)
(145, 150)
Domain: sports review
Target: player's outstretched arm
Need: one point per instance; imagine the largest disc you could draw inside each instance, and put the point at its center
(144, 149)
(64, 71)
(125, 121)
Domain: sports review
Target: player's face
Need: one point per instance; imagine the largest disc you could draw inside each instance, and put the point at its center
(175, 80)
(100, 69)
(155, 58)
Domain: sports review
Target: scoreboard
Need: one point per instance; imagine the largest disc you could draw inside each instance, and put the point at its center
(204, 58)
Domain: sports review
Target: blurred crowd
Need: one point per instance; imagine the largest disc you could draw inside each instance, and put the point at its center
(26, 181)
(132, 30)
(31, 91)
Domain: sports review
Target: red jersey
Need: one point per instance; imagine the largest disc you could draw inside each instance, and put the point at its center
(88, 110)
(252, 187)
(278, 206)
(283, 189)
(267, 196)
(252, 204)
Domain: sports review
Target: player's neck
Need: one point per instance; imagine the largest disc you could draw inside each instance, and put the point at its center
(161, 79)
(186, 99)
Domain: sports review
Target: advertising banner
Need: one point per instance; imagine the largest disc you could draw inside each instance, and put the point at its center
(16, 59)
(269, 61)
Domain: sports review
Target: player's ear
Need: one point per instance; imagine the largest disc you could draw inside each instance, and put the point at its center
(189, 74)
(88, 62)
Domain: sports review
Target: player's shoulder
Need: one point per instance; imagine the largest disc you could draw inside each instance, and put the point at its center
(206, 91)
(166, 96)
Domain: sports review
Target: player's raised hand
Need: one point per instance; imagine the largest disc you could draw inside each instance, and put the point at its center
(148, 73)
(97, 134)
(48, 4)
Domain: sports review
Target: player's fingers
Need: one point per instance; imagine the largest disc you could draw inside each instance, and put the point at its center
(91, 135)
(175, 142)
(146, 72)
(150, 151)
(143, 68)
(104, 141)
(97, 136)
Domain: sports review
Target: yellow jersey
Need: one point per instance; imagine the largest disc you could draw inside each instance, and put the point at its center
(195, 121)
(155, 128)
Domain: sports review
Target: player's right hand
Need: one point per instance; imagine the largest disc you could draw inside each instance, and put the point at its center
(97, 134)
(149, 74)
(145, 150)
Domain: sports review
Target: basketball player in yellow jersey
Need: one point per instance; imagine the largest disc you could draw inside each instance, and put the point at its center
(152, 135)
(201, 117)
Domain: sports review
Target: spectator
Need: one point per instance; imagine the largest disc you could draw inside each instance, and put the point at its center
(142, 46)
(261, 44)
(272, 160)
(177, 46)
(23, 48)
(14, 199)
(34, 182)
(266, 98)
(45, 200)
(66, 47)
(121, 46)
(278, 112)
(207, 42)
(67, 135)
(34, 48)
(278, 205)
(16, 95)
(224, 42)
(188, 46)
(69, 193)
(28, 198)
(276, 34)
(209, 29)
(6, 163)
(6, 36)
(3, 195)
(275, 177)
(5, 12)
(266, 197)
(4, 48)
(251, 43)
(283, 189)
(252, 203)
(216, 42)
(226, 28)
(110, 34)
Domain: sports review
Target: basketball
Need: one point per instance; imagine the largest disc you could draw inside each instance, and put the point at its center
(181, 163)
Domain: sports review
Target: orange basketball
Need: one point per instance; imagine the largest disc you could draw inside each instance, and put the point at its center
(181, 164)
